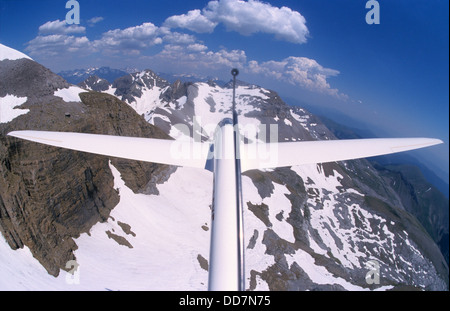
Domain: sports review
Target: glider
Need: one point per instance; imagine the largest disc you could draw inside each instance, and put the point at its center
(227, 158)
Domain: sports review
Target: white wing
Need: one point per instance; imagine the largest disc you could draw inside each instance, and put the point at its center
(260, 156)
(162, 151)
(253, 156)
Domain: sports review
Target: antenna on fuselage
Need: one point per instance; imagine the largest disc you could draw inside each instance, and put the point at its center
(234, 73)
(239, 200)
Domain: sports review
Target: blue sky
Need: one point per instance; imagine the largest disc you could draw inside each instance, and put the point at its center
(392, 76)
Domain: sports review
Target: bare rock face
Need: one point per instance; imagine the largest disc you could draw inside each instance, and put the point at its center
(95, 83)
(48, 196)
(131, 86)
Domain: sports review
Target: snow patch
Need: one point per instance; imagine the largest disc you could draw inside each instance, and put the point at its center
(255, 257)
(168, 237)
(149, 101)
(165, 233)
(8, 110)
(181, 101)
(111, 91)
(318, 274)
(19, 271)
(71, 94)
(11, 54)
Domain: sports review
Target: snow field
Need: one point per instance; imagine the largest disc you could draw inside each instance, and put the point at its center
(11, 54)
(8, 108)
(71, 94)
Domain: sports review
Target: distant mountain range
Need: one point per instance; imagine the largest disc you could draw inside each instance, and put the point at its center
(79, 75)
(345, 132)
(334, 118)
(190, 78)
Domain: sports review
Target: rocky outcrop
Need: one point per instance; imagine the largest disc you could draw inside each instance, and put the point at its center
(48, 196)
(131, 86)
(95, 83)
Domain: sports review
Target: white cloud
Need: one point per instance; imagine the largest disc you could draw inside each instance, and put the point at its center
(60, 28)
(57, 39)
(193, 20)
(131, 39)
(91, 22)
(254, 16)
(136, 39)
(182, 51)
(234, 58)
(58, 45)
(246, 18)
(54, 40)
(179, 38)
(197, 47)
(300, 71)
(197, 58)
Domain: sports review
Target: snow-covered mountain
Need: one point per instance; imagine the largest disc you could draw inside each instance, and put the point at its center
(329, 194)
(313, 227)
(140, 90)
(48, 197)
(7, 53)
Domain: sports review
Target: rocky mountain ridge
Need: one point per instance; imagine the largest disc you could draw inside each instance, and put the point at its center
(50, 196)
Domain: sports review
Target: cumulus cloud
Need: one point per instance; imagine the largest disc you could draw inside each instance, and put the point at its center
(184, 51)
(246, 18)
(198, 57)
(193, 20)
(197, 47)
(301, 71)
(58, 45)
(136, 39)
(56, 38)
(179, 38)
(234, 58)
(129, 40)
(60, 28)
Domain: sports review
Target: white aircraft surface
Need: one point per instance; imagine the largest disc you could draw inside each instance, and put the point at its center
(229, 158)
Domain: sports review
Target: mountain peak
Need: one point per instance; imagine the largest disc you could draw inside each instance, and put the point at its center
(11, 54)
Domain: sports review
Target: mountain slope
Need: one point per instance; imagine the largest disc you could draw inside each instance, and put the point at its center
(410, 180)
(341, 215)
(422, 200)
(50, 196)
